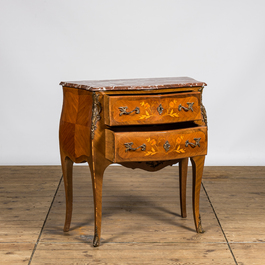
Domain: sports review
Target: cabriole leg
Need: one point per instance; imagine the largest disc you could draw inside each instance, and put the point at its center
(197, 170)
(97, 171)
(183, 171)
(67, 167)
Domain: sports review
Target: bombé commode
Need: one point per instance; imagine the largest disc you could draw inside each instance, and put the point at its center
(138, 123)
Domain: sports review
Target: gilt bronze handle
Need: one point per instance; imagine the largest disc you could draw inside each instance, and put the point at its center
(130, 148)
(190, 106)
(197, 142)
(123, 110)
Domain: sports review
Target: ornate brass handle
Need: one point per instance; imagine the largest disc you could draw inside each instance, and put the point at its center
(130, 148)
(197, 142)
(190, 106)
(123, 110)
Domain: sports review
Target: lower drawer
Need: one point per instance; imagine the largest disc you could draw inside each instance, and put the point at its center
(155, 145)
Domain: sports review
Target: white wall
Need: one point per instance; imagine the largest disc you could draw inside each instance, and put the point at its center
(46, 41)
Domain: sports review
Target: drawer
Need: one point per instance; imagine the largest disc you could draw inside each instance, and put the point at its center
(152, 109)
(155, 145)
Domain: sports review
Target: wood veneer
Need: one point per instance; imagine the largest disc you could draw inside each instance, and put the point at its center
(145, 109)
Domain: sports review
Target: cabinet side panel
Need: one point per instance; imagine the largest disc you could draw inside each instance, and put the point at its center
(66, 138)
(70, 105)
(75, 124)
(83, 124)
(67, 123)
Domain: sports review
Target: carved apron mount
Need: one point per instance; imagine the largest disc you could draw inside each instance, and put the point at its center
(96, 109)
(203, 110)
(154, 164)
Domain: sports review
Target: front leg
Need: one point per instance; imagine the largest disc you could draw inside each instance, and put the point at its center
(97, 169)
(183, 171)
(67, 168)
(197, 170)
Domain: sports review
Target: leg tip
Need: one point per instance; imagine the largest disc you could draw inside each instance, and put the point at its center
(95, 241)
(66, 228)
(67, 224)
(200, 229)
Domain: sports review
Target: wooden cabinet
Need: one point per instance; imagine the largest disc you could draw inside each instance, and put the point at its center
(138, 123)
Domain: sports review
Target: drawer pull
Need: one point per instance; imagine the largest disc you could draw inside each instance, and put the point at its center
(130, 148)
(160, 109)
(167, 146)
(190, 106)
(123, 110)
(197, 142)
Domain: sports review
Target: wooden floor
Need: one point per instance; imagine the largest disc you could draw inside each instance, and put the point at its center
(141, 217)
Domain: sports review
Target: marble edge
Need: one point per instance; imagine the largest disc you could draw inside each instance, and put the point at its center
(132, 87)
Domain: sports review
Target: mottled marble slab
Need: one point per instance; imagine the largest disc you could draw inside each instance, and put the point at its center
(134, 84)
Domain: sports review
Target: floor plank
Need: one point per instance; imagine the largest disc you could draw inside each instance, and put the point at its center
(248, 254)
(238, 199)
(15, 253)
(128, 253)
(26, 193)
(135, 209)
(141, 217)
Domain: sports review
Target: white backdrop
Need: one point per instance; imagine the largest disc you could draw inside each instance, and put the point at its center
(44, 42)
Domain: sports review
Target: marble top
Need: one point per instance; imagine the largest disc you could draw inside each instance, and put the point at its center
(134, 84)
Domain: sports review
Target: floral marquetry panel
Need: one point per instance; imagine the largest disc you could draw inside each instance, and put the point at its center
(155, 145)
(152, 109)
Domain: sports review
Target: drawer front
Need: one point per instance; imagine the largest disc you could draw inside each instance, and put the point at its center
(155, 145)
(152, 109)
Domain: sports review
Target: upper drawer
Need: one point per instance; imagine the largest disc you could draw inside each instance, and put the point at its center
(152, 109)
